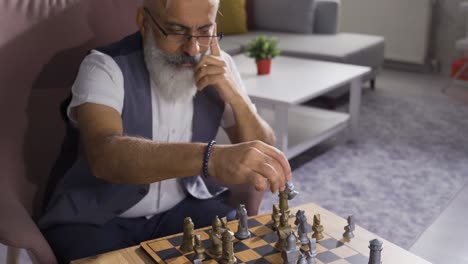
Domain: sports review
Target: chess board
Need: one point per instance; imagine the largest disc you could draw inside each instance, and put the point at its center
(259, 248)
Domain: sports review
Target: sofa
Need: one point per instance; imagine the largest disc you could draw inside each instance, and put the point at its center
(320, 39)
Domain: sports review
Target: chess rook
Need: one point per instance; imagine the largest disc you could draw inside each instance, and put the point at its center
(291, 251)
(228, 248)
(375, 251)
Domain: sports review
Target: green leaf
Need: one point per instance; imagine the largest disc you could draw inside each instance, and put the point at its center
(262, 47)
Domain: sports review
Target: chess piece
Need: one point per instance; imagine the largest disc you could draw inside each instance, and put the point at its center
(243, 227)
(199, 249)
(375, 251)
(317, 227)
(275, 217)
(283, 202)
(348, 234)
(290, 190)
(291, 252)
(303, 227)
(302, 259)
(228, 248)
(187, 240)
(312, 252)
(284, 217)
(216, 238)
(197, 261)
(224, 224)
(283, 231)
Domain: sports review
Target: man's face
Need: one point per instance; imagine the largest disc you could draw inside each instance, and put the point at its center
(194, 17)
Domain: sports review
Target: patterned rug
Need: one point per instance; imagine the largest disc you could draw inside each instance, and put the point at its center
(410, 160)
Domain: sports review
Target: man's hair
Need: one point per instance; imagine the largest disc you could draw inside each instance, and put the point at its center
(166, 3)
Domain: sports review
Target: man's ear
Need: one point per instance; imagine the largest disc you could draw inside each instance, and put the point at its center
(140, 20)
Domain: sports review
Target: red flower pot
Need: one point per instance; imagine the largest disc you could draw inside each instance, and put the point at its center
(263, 66)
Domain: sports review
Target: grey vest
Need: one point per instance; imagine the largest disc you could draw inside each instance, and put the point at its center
(80, 197)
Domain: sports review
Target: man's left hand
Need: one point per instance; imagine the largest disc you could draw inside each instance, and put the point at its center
(213, 70)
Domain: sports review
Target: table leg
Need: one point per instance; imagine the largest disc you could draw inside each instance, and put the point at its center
(281, 127)
(354, 106)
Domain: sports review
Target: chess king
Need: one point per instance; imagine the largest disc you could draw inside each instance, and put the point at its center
(143, 113)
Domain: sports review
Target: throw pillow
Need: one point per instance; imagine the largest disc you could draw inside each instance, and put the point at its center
(232, 17)
(295, 16)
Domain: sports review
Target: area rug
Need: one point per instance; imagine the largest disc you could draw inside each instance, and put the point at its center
(408, 163)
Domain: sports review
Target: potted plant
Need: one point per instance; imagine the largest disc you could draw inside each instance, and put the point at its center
(263, 49)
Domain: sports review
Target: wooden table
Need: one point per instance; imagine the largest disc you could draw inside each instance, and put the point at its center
(333, 224)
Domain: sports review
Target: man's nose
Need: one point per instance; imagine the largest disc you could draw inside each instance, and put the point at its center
(191, 47)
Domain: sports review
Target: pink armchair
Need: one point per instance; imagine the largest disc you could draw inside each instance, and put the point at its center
(42, 43)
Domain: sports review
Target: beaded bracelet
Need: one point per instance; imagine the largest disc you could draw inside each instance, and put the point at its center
(206, 158)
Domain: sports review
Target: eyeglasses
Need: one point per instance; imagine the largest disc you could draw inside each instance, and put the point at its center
(182, 38)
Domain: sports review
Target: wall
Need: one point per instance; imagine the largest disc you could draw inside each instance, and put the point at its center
(450, 25)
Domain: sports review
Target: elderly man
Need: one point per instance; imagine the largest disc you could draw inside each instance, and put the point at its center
(147, 109)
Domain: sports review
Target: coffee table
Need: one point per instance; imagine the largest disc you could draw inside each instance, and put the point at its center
(293, 81)
(332, 224)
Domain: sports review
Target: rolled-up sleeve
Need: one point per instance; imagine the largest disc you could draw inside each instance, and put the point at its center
(99, 81)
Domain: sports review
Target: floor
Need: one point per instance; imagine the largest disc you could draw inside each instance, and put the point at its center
(446, 240)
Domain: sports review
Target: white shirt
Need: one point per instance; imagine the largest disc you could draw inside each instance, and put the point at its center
(100, 81)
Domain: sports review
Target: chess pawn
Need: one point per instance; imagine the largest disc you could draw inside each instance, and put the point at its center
(291, 252)
(216, 238)
(243, 227)
(199, 249)
(187, 240)
(312, 252)
(317, 227)
(275, 217)
(375, 251)
(348, 234)
(228, 249)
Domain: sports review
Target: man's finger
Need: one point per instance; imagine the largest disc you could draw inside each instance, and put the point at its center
(269, 173)
(209, 60)
(215, 49)
(207, 70)
(260, 183)
(278, 156)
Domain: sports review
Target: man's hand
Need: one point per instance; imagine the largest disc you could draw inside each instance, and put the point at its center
(213, 70)
(254, 162)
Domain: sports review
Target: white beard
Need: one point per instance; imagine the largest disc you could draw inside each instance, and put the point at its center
(173, 83)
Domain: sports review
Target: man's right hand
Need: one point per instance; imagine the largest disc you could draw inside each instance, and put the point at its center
(254, 162)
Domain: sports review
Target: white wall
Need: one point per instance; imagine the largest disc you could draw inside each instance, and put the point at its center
(406, 25)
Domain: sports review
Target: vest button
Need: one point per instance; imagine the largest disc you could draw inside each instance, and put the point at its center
(142, 191)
